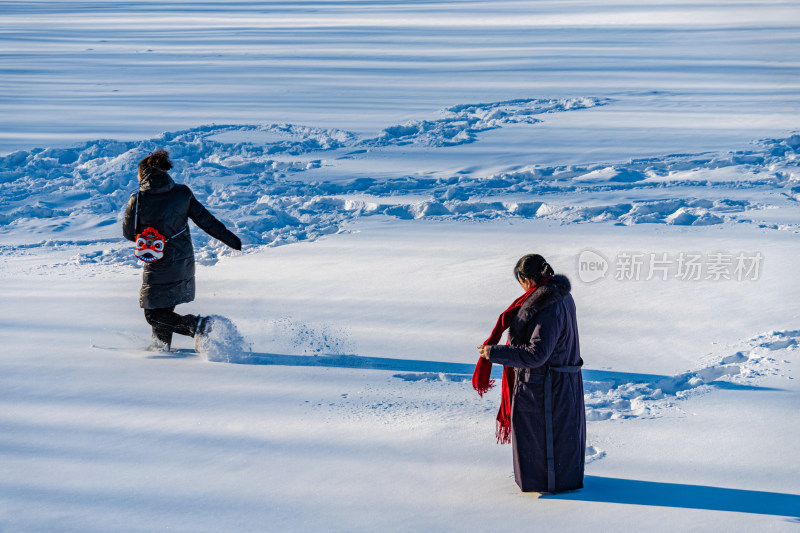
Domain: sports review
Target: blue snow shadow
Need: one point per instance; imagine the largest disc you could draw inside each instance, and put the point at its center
(368, 363)
(448, 371)
(623, 378)
(657, 494)
(179, 353)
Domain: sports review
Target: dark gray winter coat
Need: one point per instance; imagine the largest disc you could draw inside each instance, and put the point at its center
(543, 346)
(168, 207)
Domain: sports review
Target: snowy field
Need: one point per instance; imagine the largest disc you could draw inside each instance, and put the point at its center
(386, 164)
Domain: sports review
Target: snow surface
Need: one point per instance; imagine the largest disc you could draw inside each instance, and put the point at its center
(385, 164)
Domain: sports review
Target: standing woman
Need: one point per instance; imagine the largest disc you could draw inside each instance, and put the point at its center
(156, 217)
(542, 411)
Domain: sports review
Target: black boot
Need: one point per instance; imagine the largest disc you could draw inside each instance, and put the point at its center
(204, 325)
(163, 338)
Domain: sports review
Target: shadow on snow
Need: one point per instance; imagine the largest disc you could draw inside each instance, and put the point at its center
(653, 493)
(453, 371)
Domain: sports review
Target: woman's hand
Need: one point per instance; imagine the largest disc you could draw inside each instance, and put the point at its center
(484, 349)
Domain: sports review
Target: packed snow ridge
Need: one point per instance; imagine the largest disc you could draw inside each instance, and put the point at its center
(461, 124)
(282, 183)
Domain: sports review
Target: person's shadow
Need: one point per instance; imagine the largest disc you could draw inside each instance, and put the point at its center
(657, 494)
(414, 369)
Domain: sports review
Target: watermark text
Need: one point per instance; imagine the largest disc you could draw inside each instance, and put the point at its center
(683, 266)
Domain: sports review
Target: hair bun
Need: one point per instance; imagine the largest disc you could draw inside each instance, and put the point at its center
(533, 267)
(158, 159)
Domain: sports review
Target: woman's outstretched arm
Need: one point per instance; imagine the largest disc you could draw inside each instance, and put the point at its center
(208, 223)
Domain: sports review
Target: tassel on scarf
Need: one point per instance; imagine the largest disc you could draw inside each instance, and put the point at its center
(481, 378)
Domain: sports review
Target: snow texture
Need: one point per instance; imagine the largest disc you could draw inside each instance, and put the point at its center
(222, 342)
(655, 396)
(290, 336)
(263, 192)
(385, 164)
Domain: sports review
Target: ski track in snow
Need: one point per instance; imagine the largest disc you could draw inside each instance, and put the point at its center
(257, 179)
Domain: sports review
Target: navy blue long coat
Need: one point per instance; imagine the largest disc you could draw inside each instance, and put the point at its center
(544, 347)
(168, 207)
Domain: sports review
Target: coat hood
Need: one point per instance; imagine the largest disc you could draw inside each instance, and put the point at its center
(155, 181)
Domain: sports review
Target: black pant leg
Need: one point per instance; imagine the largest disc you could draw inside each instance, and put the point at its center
(165, 322)
(163, 335)
(159, 320)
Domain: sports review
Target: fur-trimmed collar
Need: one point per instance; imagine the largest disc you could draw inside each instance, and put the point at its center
(550, 293)
(155, 181)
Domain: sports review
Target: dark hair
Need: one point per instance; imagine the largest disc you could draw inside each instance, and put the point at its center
(533, 267)
(158, 159)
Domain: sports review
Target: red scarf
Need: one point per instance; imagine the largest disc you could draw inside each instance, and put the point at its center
(481, 378)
